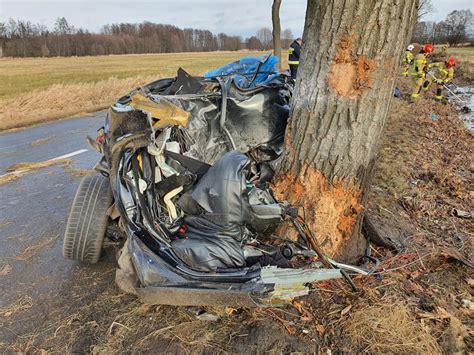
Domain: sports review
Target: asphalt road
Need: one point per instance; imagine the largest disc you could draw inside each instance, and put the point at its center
(33, 215)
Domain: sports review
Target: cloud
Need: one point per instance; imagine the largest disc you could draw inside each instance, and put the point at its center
(237, 17)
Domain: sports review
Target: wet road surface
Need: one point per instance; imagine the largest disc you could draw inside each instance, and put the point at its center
(33, 214)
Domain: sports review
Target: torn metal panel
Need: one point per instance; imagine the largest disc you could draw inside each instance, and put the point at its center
(292, 283)
(294, 277)
(163, 111)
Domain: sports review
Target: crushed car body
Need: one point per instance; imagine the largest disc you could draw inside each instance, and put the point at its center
(188, 161)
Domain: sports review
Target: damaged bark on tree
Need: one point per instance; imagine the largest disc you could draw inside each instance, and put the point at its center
(345, 83)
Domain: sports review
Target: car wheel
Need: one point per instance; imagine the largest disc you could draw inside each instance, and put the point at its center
(87, 222)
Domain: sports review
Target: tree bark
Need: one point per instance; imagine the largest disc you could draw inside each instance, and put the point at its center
(276, 30)
(345, 83)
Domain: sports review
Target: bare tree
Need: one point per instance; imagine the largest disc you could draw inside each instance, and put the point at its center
(3, 35)
(454, 29)
(424, 7)
(63, 27)
(286, 38)
(457, 24)
(253, 43)
(276, 30)
(21, 38)
(265, 37)
(342, 95)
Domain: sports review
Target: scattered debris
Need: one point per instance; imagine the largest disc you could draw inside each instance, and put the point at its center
(468, 304)
(462, 214)
(397, 93)
(206, 316)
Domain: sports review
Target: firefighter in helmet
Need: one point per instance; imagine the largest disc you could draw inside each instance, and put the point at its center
(408, 59)
(420, 69)
(443, 75)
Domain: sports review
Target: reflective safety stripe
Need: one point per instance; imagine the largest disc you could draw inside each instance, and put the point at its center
(293, 62)
(291, 50)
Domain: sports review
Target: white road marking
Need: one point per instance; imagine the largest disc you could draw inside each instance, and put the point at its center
(77, 152)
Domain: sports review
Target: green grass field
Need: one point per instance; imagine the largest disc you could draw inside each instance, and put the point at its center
(19, 76)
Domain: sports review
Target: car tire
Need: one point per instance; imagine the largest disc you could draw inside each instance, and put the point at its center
(87, 222)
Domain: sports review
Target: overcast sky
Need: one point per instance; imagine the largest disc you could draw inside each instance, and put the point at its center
(238, 17)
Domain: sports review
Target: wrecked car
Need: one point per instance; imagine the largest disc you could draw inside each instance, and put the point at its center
(183, 187)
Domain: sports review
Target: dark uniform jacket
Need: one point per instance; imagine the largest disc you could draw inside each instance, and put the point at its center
(294, 53)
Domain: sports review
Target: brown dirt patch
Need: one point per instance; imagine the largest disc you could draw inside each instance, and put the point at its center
(330, 209)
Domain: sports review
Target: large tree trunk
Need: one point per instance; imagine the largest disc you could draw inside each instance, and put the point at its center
(276, 30)
(345, 83)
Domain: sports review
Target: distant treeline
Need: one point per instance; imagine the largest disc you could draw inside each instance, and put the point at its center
(455, 29)
(24, 39)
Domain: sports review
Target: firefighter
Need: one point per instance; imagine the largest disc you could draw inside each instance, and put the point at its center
(420, 68)
(294, 57)
(101, 135)
(444, 74)
(408, 59)
(444, 50)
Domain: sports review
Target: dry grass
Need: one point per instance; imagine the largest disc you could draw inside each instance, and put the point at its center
(117, 323)
(464, 61)
(388, 327)
(40, 141)
(7, 178)
(79, 173)
(16, 171)
(22, 304)
(22, 75)
(62, 100)
(33, 250)
(27, 166)
(34, 90)
(175, 325)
